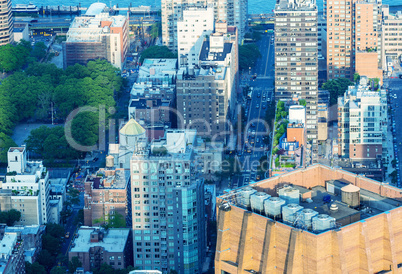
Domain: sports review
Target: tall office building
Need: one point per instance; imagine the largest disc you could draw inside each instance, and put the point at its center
(168, 205)
(234, 12)
(362, 123)
(206, 92)
(296, 63)
(7, 23)
(353, 38)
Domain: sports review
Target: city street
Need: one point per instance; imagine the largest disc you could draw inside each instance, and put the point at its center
(262, 92)
(70, 226)
(395, 89)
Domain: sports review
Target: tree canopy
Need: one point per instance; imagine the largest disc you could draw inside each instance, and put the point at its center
(248, 55)
(34, 268)
(10, 217)
(336, 88)
(14, 57)
(50, 143)
(157, 52)
(43, 88)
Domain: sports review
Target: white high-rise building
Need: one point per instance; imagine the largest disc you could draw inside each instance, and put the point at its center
(196, 25)
(26, 189)
(362, 123)
(233, 12)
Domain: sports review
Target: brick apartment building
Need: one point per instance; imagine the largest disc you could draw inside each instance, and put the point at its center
(94, 246)
(107, 192)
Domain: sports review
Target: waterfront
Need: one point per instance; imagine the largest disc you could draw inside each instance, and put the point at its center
(254, 6)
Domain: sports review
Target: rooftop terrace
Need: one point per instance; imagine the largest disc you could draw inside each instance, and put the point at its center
(114, 240)
(306, 197)
(113, 179)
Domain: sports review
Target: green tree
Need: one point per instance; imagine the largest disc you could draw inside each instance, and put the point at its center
(10, 217)
(12, 57)
(74, 264)
(5, 143)
(50, 143)
(336, 88)
(156, 29)
(356, 77)
(46, 259)
(104, 269)
(248, 55)
(39, 51)
(157, 52)
(55, 230)
(58, 270)
(51, 244)
(34, 268)
(85, 128)
(302, 102)
(80, 217)
(74, 196)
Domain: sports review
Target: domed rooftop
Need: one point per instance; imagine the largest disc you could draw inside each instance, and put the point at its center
(132, 128)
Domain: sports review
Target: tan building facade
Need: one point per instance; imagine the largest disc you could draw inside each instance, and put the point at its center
(248, 241)
(353, 28)
(367, 64)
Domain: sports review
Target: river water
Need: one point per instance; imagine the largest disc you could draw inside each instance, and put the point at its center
(254, 6)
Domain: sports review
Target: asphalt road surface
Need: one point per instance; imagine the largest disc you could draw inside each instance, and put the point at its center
(261, 79)
(395, 90)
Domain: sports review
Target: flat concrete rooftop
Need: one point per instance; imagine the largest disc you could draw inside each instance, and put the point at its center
(318, 192)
